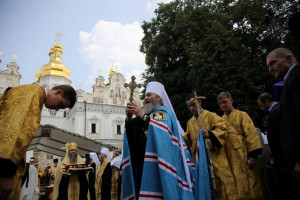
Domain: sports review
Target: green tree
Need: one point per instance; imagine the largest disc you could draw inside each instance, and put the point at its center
(164, 46)
(210, 47)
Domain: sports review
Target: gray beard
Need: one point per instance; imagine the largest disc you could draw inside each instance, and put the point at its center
(150, 107)
(73, 158)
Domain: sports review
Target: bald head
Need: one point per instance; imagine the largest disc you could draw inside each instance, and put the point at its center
(279, 61)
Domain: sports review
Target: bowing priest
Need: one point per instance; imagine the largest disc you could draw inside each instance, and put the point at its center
(156, 163)
(20, 115)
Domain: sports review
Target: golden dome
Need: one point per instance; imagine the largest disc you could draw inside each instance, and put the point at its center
(38, 74)
(112, 72)
(55, 66)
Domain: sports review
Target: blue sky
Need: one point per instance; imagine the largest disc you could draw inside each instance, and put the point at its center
(94, 32)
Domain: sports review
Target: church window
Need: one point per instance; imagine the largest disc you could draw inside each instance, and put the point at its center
(119, 129)
(93, 125)
(93, 128)
(119, 126)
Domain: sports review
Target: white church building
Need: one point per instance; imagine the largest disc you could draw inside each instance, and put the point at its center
(99, 115)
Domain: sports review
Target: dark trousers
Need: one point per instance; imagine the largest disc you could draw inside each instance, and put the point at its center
(288, 186)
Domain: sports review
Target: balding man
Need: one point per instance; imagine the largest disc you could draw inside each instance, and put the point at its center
(282, 64)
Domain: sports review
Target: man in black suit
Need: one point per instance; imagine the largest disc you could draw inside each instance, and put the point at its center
(269, 105)
(283, 65)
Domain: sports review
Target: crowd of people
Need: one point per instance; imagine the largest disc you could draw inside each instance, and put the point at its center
(93, 177)
(283, 125)
(215, 158)
(154, 146)
(232, 141)
(90, 179)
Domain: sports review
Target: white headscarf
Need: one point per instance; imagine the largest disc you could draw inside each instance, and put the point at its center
(117, 161)
(105, 151)
(95, 158)
(159, 89)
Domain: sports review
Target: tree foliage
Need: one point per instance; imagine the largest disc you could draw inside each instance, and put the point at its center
(210, 46)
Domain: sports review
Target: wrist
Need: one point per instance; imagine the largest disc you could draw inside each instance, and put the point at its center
(140, 115)
(128, 119)
(145, 117)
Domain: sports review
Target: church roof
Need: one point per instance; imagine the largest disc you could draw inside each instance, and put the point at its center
(54, 67)
(50, 139)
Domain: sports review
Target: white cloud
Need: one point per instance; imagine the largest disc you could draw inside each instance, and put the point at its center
(167, 1)
(109, 41)
(152, 5)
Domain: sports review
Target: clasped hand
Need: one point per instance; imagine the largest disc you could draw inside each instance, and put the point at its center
(205, 133)
(251, 163)
(135, 109)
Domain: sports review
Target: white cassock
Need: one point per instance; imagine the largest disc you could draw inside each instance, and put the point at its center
(32, 191)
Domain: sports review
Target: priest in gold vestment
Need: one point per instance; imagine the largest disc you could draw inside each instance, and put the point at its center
(243, 150)
(53, 170)
(40, 172)
(20, 115)
(71, 184)
(116, 179)
(103, 176)
(216, 131)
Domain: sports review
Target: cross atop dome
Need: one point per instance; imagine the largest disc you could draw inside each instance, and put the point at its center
(57, 37)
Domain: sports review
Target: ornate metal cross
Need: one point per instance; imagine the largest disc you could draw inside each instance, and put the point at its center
(132, 85)
(57, 36)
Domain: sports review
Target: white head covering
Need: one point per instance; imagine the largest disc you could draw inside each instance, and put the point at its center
(159, 89)
(105, 151)
(95, 158)
(117, 161)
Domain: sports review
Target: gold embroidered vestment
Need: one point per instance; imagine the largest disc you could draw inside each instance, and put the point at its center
(20, 115)
(99, 173)
(225, 186)
(74, 184)
(244, 139)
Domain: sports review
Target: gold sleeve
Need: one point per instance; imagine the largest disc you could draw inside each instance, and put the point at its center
(20, 115)
(218, 127)
(250, 133)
